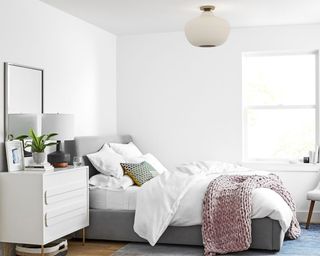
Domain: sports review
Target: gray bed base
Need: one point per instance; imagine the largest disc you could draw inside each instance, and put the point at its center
(117, 225)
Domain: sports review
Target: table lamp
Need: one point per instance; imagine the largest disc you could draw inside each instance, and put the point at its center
(63, 124)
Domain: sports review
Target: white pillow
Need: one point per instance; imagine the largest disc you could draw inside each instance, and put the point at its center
(107, 161)
(126, 150)
(150, 159)
(103, 181)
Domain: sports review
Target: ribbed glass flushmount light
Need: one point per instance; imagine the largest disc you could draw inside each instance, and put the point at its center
(207, 30)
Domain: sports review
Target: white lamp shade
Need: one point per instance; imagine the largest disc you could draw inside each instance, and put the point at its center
(207, 30)
(20, 124)
(63, 124)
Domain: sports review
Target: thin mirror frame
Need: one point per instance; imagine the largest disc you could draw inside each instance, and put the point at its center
(6, 96)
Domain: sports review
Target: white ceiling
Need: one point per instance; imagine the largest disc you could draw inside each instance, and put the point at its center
(124, 17)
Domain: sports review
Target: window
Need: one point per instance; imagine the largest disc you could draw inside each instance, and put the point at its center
(280, 105)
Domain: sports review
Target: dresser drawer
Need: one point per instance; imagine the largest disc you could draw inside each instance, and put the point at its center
(61, 180)
(68, 191)
(65, 202)
(65, 213)
(53, 204)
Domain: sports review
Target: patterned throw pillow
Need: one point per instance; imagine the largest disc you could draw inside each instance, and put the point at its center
(139, 173)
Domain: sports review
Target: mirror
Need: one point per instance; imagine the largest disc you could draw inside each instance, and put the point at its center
(23, 99)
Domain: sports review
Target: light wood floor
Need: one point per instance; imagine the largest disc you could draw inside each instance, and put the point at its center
(93, 248)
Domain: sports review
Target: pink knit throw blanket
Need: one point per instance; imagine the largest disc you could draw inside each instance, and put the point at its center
(226, 225)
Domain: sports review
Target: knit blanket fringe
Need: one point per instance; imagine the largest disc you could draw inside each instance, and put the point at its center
(227, 211)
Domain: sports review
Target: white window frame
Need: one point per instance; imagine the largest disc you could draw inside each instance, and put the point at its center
(245, 107)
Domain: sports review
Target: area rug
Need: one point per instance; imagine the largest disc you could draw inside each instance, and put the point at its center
(307, 245)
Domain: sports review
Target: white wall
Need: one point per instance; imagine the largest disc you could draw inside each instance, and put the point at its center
(179, 102)
(79, 60)
(184, 103)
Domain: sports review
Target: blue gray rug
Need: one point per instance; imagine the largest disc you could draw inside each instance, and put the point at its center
(308, 244)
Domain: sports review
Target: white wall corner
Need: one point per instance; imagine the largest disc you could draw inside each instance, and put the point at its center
(302, 217)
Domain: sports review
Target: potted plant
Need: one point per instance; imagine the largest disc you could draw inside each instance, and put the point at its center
(38, 145)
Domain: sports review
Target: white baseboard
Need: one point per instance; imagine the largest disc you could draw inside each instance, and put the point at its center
(302, 217)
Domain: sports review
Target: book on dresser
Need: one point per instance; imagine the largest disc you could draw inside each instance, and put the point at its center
(45, 167)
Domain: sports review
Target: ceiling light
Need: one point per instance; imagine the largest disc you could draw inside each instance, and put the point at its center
(207, 30)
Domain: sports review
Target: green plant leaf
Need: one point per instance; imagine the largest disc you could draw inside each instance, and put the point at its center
(50, 135)
(21, 137)
(35, 141)
(40, 138)
(39, 143)
(33, 135)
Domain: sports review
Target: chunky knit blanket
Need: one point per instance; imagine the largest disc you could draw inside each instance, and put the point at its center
(226, 213)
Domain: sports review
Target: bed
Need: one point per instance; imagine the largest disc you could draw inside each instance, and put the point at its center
(117, 224)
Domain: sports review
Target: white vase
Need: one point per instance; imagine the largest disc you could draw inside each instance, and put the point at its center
(39, 157)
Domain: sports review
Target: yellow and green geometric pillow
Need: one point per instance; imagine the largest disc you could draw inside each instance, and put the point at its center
(139, 173)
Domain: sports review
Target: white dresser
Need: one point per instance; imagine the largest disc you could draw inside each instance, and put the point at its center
(40, 207)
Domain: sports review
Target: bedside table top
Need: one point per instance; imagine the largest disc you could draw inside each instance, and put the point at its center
(70, 168)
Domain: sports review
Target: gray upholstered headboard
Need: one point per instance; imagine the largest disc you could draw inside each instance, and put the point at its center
(90, 144)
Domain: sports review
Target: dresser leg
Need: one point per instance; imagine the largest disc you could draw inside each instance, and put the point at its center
(42, 250)
(6, 249)
(83, 236)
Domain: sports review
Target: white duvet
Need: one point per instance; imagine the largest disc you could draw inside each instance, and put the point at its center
(175, 198)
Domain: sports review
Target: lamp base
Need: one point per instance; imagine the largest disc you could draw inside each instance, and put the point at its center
(59, 159)
(60, 165)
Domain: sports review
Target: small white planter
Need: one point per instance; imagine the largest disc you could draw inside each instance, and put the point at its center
(39, 157)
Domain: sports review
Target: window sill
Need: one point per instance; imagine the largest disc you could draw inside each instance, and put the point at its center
(282, 167)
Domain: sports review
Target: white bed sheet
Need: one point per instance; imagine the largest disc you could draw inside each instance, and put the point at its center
(110, 199)
(189, 211)
(175, 198)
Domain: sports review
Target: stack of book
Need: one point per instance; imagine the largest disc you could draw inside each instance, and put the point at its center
(45, 167)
